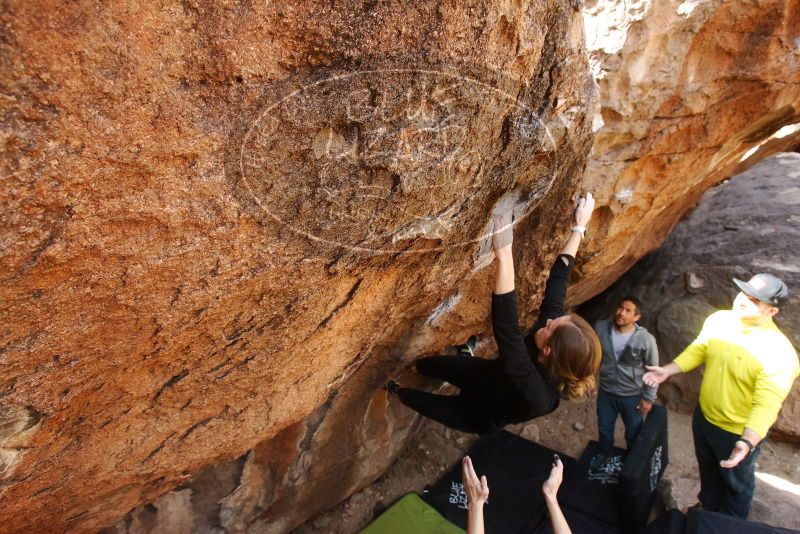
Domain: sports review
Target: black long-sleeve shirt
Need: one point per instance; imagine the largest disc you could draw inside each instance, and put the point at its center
(519, 389)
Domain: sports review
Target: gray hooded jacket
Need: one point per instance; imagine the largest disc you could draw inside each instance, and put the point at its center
(624, 376)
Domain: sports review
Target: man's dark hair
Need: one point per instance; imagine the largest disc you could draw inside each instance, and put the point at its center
(636, 303)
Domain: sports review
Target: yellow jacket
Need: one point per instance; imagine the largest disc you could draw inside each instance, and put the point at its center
(749, 372)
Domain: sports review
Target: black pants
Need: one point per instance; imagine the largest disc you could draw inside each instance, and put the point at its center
(470, 410)
(728, 491)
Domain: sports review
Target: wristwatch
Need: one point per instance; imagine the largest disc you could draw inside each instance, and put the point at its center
(748, 443)
(580, 229)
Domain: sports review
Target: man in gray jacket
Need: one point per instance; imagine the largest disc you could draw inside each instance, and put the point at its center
(627, 349)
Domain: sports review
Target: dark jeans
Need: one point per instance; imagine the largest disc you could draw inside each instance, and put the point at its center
(728, 491)
(468, 411)
(608, 407)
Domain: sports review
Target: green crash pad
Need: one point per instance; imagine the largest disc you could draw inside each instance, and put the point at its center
(411, 514)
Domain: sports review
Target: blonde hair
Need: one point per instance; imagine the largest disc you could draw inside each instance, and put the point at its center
(574, 358)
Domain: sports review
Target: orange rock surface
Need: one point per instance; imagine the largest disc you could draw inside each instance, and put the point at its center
(690, 93)
(225, 224)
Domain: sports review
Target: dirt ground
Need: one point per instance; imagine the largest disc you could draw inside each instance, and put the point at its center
(435, 448)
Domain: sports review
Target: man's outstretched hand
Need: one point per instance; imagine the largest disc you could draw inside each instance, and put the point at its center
(654, 376)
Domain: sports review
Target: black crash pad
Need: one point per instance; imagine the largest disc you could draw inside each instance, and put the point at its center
(643, 469)
(670, 522)
(621, 494)
(515, 469)
(594, 493)
(704, 522)
(580, 524)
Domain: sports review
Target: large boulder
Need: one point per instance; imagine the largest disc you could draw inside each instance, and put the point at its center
(226, 224)
(690, 93)
(744, 226)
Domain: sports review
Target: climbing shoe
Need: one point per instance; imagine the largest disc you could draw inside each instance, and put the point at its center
(468, 348)
(392, 386)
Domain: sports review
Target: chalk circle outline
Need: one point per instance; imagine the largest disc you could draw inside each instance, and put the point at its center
(435, 72)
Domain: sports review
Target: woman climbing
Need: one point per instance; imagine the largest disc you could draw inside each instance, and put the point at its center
(526, 380)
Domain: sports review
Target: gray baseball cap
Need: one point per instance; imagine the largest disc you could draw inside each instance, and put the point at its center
(766, 288)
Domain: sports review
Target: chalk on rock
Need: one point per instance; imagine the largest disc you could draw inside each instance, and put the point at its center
(578, 426)
(694, 283)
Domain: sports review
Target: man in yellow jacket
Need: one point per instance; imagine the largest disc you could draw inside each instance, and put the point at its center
(749, 370)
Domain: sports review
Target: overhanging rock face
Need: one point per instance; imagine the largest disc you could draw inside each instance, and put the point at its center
(226, 224)
(691, 93)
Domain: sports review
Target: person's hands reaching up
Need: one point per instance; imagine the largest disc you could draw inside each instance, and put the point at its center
(477, 490)
(502, 232)
(551, 485)
(550, 488)
(583, 212)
